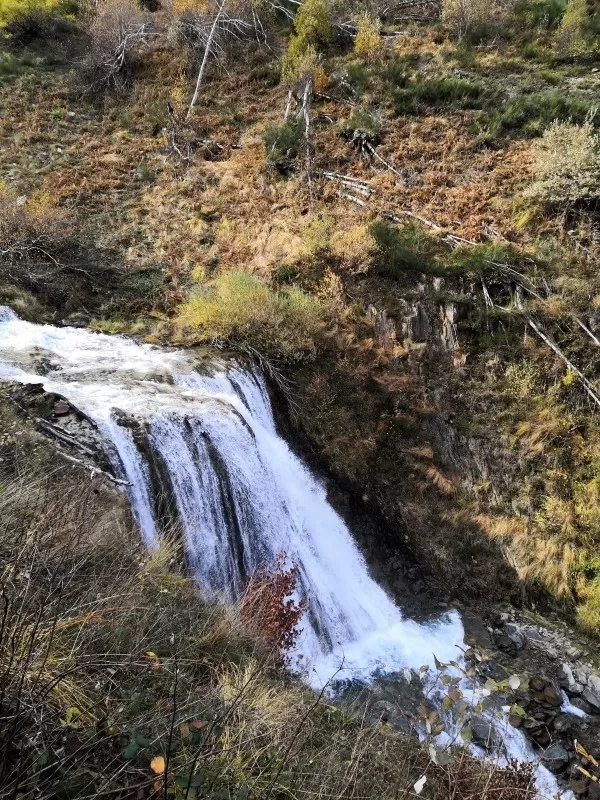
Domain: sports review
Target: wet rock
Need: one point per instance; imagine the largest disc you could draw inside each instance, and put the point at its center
(552, 695)
(516, 636)
(579, 786)
(555, 758)
(476, 632)
(537, 684)
(582, 705)
(76, 321)
(562, 724)
(533, 635)
(593, 791)
(568, 682)
(483, 733)
(591, 693)
(60, 408)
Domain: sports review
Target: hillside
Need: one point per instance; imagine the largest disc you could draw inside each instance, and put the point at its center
(394, 213)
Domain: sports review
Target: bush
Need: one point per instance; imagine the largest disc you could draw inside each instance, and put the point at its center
(367, 44)
(279, 139)
(543, 14)
(446, 91)
(574, 34)
(465, 16)
(567, 166)
(312, 30)
(403, 248)
(240, 309)
(25, 20)
(119, 32)
(32, 233)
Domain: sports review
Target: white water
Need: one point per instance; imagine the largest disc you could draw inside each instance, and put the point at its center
(241, 495)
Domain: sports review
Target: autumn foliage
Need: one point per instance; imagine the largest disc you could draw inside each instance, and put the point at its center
(269, 606)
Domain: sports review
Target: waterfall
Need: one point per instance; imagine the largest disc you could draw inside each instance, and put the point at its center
(207, 438)
(197, 440)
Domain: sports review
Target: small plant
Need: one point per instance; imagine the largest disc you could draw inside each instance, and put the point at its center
(403, 248)
(362, 120)
(567, 167)
(239, 308)
(367, 44)
(280, 139)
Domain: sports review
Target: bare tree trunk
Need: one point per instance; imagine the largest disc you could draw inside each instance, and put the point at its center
(208, 46)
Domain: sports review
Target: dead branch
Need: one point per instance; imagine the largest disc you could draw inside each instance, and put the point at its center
(62, 436)
(93, 469)
(583, 380)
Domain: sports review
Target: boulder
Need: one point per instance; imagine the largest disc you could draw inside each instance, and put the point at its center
(555, 758)
(516, 636)
(552, 695)
(483, 733)
(563, 724)
(591, 693)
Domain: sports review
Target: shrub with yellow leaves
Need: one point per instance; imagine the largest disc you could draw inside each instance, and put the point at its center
(367, 44)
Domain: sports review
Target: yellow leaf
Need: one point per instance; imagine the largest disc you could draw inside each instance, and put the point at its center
(154, 658)
(158, 765)
(185, 730)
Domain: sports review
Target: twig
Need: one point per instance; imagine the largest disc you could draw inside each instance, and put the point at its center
(584, 381)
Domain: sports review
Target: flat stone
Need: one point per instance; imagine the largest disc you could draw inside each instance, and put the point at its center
(483, 733)
(555, 758)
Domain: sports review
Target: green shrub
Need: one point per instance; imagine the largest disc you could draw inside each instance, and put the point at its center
(239, 308)
(312, 31)
(567, 166)
(403, 248)
(367, 44)
(544, 14)
(279, 139)
(534, 112)
(362, 120)
(574, 34)
(446, 91)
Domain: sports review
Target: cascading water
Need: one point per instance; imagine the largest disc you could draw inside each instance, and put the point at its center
(207, 440)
